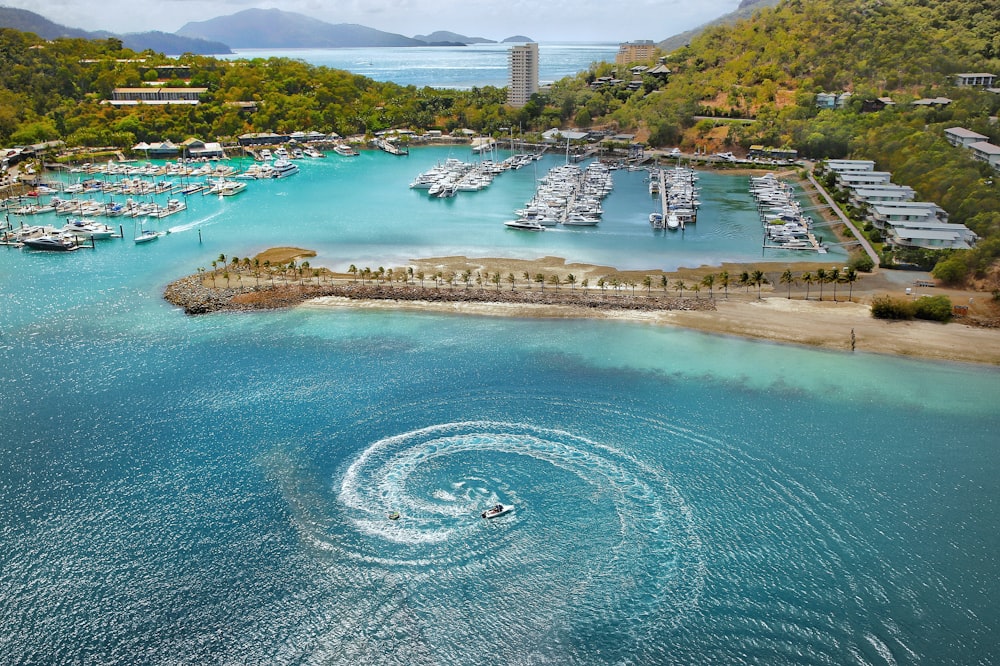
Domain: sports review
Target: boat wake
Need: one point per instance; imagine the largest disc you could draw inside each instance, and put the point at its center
(640, 558)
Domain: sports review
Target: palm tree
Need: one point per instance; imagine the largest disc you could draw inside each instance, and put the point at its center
(215, 265)
(807, 277)
(496, 279)
(664, 282)
(388, 275)
(788, 278)
(467, 278)
(540, 279)
(302, 267)
(554, 280)
(834, 277)
(745, 280)
(527, 278)
(850, 276)
(584, 283)
(420, 276)
(601, 284)
(724, 281)
(758, 278)
(353, 270)
(409, 273)
(696, 288)
(437, 279)
(571, 281)
(512, 279)
(256, 269)
(821, 277)
(709, 281)
(679, 286)
(647, 282)
(267, 267)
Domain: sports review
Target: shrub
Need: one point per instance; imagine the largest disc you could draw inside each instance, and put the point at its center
(861, 263)
(934, 308)
(887, 307)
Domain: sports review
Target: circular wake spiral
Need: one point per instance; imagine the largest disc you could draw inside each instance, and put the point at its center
(593, 529)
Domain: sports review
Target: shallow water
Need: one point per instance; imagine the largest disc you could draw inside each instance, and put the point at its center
(193, 490)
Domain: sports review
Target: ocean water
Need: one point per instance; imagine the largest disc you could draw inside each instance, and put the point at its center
(458, 67)
(215, 489)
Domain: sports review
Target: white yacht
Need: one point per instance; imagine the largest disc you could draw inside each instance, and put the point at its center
(284, 168)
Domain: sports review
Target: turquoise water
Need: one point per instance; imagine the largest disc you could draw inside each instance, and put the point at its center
(214, 489)
(454, 67)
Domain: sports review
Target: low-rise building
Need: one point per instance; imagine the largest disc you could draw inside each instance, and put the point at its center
(977, 80)
(985, 151)
(850, 166)
(854, 179)
(872, 194)
(931, 235)
(833, 100)
(196, 148)
(963, 138)
(151, 95)
(886, 214)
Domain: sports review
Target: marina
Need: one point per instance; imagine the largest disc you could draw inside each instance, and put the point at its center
(785, 225)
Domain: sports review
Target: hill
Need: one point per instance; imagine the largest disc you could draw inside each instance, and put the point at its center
(518, 39)
(161, 42)
(274, 28)
(454, 37)
(744, 11)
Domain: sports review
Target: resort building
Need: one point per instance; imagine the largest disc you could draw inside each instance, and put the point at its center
(850, 166)
(871, 194)
(133, 96)
(963, 138)
(637, 51)
(985, 151)
(931, 235)
(198, 149)
(832, 100)
(523, 74)
(854, 179)
(977, 80)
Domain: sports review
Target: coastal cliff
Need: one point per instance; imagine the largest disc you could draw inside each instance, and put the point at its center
(194, 296)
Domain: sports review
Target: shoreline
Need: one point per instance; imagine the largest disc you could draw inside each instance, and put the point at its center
(825, 324)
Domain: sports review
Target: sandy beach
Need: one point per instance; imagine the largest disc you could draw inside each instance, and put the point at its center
(782, 314)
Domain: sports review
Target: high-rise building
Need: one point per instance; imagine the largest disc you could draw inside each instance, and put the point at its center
(637, 51)
(523, 81)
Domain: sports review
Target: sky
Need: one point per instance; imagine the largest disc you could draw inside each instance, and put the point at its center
(541, 20)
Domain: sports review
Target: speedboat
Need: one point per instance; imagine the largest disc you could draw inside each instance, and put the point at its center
(497, 511)
(524, 225)
(52, 243)
(394, 515)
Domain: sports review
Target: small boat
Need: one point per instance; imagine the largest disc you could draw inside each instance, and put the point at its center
(394, 515)
(147, 235)
(345, 150)
(496, 511)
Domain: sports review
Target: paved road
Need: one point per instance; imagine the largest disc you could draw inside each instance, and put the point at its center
(843, 218)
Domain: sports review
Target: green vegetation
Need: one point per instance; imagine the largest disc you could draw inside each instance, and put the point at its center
(933, 308)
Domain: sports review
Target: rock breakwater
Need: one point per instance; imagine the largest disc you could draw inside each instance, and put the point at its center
(195, 297)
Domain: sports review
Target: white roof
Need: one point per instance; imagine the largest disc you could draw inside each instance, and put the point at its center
(964, 133)
(985, 147)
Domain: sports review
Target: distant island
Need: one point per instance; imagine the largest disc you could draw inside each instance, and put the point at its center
(248, 29)
(161, 42)
(274, 28)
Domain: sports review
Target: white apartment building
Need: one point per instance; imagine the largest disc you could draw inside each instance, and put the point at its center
(523, 74)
